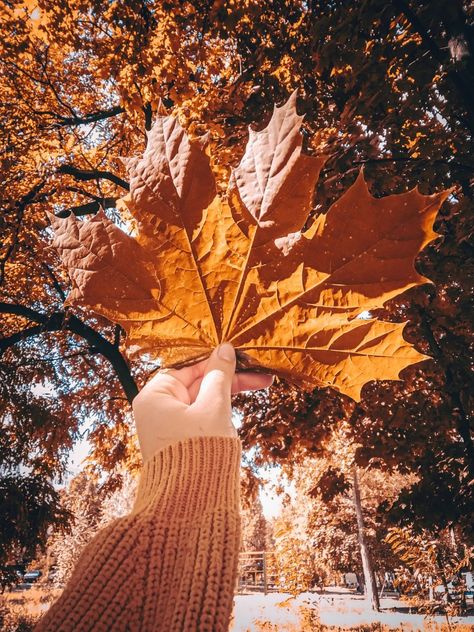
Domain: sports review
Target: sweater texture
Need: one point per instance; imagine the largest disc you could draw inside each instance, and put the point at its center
(171, 564)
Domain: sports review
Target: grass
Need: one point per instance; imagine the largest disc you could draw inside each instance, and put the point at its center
(19, 611)
(309, 622)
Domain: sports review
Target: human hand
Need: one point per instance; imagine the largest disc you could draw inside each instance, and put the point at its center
(194, 401)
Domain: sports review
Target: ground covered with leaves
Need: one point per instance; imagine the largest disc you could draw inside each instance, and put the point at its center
(333, 610)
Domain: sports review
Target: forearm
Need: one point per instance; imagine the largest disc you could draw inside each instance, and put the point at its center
(171, 564)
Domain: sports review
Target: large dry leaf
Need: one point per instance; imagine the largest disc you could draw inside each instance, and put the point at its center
(204, 268)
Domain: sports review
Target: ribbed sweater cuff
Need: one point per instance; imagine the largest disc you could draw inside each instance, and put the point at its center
(190, 477)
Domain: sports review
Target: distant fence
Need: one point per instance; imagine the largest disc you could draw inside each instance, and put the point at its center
(257, 572)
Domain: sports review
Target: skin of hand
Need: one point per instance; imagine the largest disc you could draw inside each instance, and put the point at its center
(190, 402)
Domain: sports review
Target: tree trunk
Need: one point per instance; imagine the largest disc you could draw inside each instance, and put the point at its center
(369, 576)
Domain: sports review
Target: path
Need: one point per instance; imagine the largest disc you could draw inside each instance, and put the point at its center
(334, 607)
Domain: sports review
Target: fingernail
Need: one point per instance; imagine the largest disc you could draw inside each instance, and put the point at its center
(226, 352)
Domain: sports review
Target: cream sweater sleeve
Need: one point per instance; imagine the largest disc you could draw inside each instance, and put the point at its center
(171, 564)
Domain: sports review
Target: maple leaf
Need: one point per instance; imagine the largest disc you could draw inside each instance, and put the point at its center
(205, 268)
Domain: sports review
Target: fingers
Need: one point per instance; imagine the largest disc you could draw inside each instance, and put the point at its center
(184, 384)
(240, 382)
(173, 382)
(251, 381)
(187, 375)
(216, 383)
(195, 399)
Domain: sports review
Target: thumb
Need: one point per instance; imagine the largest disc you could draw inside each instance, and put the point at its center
(214, 393)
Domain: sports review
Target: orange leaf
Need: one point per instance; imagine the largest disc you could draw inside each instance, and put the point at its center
(206, 268)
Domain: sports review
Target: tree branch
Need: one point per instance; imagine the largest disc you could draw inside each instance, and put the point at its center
(60, 320)
(117, 335)
(93, 174)
(148, 111)
(90, 208)
(28, 332)
(101, 115)
(54, 280)
(20, 205)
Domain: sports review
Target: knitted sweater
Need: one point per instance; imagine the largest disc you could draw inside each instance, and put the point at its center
(171, 564)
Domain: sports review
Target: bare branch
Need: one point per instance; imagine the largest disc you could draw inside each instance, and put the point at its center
(28, 332)
(93, 174)
(90, 208)
(60, 320)
(73, 121)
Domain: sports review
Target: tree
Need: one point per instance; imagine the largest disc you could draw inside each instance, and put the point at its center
(369, 575)
(388, 84)
(254, 527)
(83, 499)
(431, 564)
(318, 534)
(92, 506)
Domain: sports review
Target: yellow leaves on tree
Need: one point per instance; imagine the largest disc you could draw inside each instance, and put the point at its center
(206, 268)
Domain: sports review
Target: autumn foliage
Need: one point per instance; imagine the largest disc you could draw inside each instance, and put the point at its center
(387, 86)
